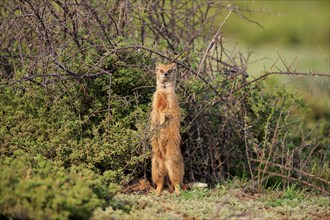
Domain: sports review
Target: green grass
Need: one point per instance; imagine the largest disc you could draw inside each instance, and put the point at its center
(221, 202)
(285, 23)
(299, 31)
(314, 90)
(303, 60)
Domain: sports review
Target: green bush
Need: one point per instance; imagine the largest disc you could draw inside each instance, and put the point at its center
(33, 187)
(80, 129)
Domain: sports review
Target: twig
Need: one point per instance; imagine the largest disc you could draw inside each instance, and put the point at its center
(292, 169)
(282, 73)
(298, 180)
(212, 43)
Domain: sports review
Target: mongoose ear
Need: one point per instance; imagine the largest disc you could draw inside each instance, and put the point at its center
(173, 65)
(158, 65)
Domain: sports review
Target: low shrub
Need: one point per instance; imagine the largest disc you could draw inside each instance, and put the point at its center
(33, 187)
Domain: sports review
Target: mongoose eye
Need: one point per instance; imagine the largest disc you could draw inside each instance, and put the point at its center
(169, 72)
(161, 71)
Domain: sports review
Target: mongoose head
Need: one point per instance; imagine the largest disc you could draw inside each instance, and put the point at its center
(166, 73)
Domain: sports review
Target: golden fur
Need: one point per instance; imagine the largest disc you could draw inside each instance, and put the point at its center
(165, 124)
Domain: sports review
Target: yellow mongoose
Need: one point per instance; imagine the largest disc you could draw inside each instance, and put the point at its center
(165, 124)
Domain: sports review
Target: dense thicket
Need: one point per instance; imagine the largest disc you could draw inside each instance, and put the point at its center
(76, 85)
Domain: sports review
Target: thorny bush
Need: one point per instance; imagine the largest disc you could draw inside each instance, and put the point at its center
(77, 79)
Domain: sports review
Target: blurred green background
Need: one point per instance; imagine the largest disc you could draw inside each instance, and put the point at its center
(299, 31)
